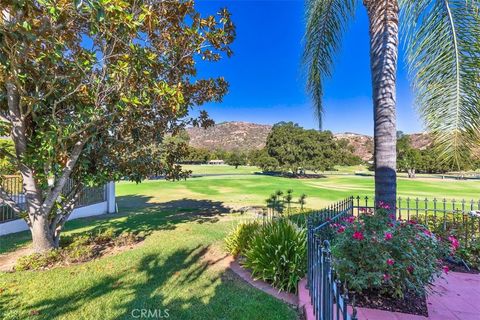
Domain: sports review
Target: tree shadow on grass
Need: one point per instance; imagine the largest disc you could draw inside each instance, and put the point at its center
(187, 284)
(137, 214)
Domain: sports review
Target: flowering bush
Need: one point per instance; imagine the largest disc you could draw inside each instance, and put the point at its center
(377, 254)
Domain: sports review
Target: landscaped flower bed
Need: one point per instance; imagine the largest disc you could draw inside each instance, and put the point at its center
(388, 264)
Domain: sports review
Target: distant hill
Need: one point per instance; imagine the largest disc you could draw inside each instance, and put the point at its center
(246, 136)
(230, 136)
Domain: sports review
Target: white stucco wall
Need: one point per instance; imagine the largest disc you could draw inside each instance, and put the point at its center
(108, 206)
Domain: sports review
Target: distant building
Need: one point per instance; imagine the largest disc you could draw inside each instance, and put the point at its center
(216, 162)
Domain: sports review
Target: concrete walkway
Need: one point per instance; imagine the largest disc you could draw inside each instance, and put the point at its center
(456, 297)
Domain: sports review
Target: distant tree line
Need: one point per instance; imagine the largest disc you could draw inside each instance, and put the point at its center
(289, 148)
(429, 160)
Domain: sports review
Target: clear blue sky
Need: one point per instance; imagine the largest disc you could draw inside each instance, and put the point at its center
(267, 82)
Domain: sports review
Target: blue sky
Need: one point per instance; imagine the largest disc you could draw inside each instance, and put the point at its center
(267, 82)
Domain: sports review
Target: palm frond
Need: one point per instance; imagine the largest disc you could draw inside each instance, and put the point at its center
(443, 55)
(326, 21)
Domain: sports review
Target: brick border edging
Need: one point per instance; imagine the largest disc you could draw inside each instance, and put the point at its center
(246, 275)
(304, 301)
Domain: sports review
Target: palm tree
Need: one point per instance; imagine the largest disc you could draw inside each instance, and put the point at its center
(440, 35)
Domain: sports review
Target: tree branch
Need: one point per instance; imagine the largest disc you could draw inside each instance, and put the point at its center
(57, 189)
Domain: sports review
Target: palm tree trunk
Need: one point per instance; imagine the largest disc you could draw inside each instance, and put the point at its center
(383, 18)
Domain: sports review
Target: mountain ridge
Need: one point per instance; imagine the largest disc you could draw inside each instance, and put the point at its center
(240, 135)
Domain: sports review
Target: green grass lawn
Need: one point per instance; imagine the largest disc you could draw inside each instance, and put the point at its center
(173, 268)
(244, 190)
(178, 268)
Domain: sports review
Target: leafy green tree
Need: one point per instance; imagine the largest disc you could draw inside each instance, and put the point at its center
(89, 92)
(296, 149)
(197, 156)
(237, 158)
(267, 163)
(6, 165)
(443, 58)
(408, 158)
(345, 154)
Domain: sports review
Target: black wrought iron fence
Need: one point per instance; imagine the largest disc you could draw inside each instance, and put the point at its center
(13, 186)
(444, 217)
(441, 216)
(329, 299)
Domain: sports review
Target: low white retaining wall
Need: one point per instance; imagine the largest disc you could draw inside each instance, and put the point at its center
(95, 209)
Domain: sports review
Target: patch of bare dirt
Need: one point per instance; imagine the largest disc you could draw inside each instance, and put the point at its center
(9, 259)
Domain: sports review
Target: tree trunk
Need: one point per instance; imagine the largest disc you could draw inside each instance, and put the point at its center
(383, 18)
(42, 237)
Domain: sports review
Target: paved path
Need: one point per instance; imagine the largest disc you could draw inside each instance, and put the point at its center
(457, 297)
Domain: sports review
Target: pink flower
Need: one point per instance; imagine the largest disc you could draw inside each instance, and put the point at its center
(390, 262)
(410, 269)
(391, 216)
(386, 277)
(357, 235)
(445, 269)
(427, 232)
(383, 205)
(454, 243)
(388, 236)
(390, 225)
(350, 219)
(341, 229)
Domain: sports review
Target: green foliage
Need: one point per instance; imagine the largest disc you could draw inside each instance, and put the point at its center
(379, 255)
(197, 156)
(444, 68)
(107, 108)
(38, 261)
(429, 160)
(278, 254)
(326, 21)
(267, 163)
(296, 149)
(237, 158)
(471, 253)
(6, 165)
(239, 239)
(78, 248)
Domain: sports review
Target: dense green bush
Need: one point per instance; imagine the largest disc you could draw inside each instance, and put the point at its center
(378, 255)
(278, 253)
(238, 241)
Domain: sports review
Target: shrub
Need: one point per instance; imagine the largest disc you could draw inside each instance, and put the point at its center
(77, 248)
(471, 253)
(38, 261)
(390, 258)
(127, 239)
(239, 239)
(278, 253)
